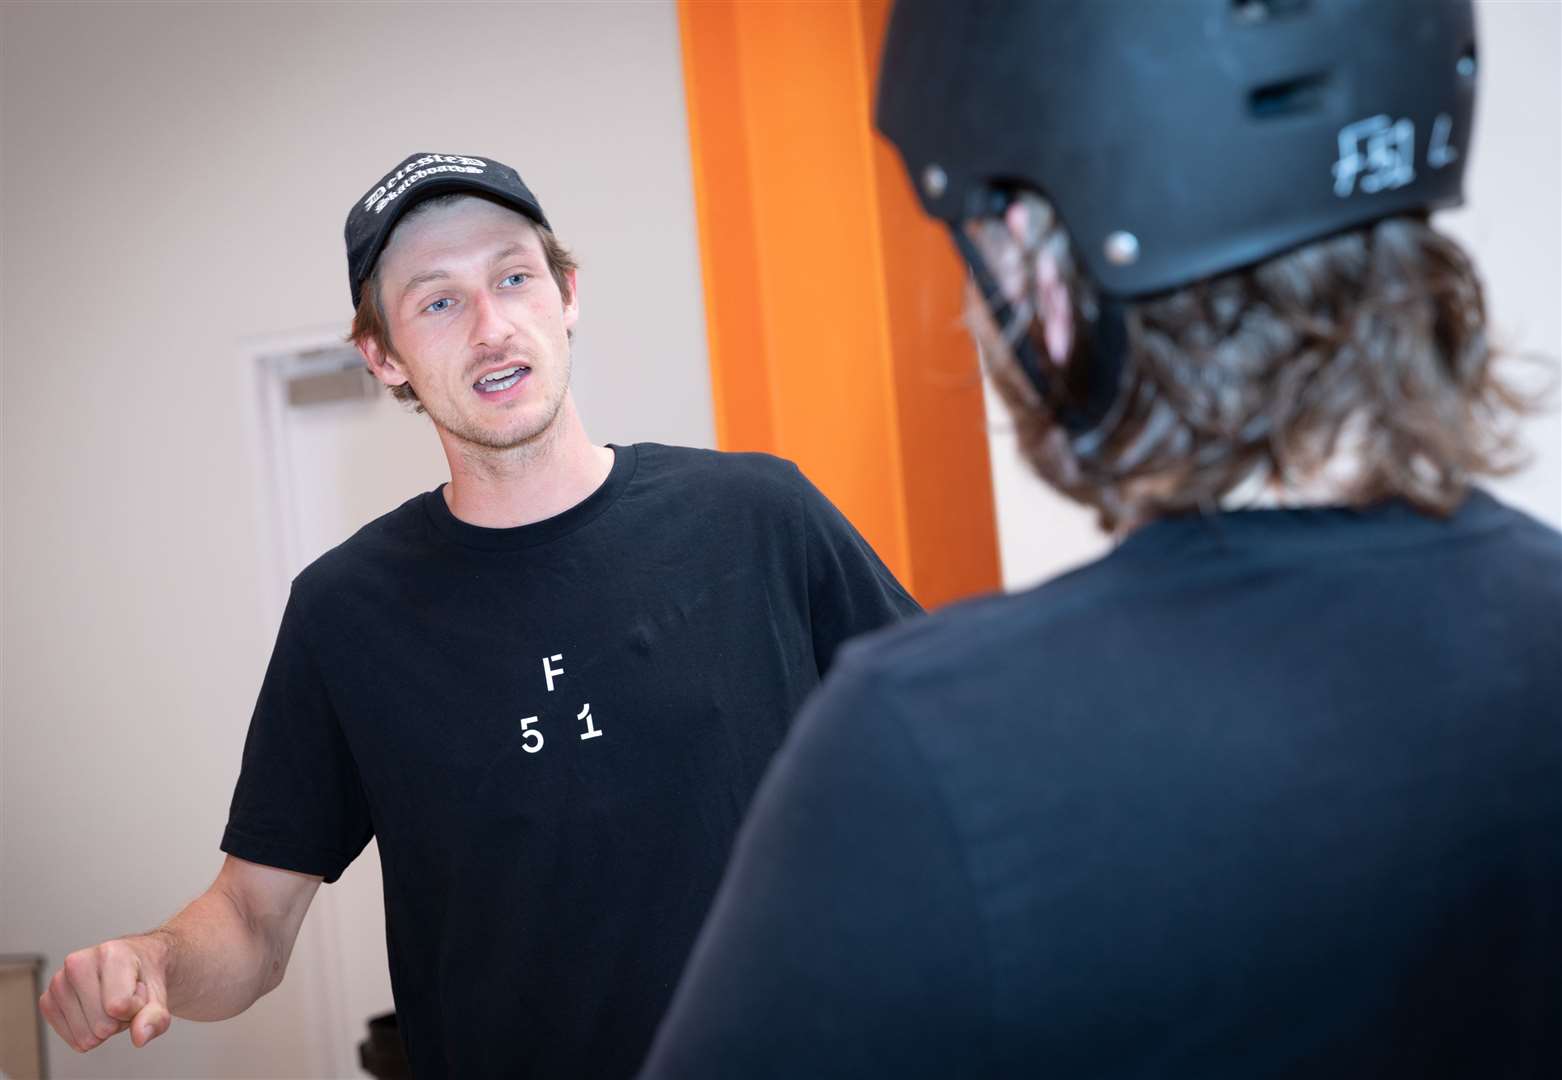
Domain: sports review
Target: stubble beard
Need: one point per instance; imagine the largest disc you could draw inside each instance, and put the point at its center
(531, 436)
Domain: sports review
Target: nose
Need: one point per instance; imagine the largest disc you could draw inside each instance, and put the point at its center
(491, 326)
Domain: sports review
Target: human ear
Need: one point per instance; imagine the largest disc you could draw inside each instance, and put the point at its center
(1053, 303)
(572, 306)
(1056, 307)
(382, 363)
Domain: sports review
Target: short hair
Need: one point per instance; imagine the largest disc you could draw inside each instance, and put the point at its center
(369, 323)
(1374, 338)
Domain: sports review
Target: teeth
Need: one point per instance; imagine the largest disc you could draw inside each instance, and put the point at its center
(497, 375)
(487, 387)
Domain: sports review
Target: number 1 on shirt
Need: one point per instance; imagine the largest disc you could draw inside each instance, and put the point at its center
(591, 731)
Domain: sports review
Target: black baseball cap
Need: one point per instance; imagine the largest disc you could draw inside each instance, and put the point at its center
(422, 176)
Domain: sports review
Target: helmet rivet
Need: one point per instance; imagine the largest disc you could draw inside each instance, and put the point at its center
(1122, 249)
(934, 181)
(1466, 66)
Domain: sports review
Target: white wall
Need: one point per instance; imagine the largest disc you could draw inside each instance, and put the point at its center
(175, 177)
(1512, 223)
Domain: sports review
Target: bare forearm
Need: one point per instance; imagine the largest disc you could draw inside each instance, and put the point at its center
(211, 961)
(220, 959)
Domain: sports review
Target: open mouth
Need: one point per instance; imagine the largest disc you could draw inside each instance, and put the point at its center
(498, 381)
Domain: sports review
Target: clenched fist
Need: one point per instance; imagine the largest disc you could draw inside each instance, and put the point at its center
(101, 991)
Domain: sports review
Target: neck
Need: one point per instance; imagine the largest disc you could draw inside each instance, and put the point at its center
(1330, 475)
(1255, 493)
(545, 476)
(1333, 482)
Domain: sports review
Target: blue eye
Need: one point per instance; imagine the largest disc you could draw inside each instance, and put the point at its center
(517, 280)
(441, 304)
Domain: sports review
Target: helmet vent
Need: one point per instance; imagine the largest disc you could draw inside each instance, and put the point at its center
(1258, 11)
(1289, 98)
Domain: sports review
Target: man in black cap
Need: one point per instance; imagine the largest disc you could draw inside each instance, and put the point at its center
(547, 688)
(1275, 788)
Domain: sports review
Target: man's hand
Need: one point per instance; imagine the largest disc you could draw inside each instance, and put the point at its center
(229, 946)
(101, 991)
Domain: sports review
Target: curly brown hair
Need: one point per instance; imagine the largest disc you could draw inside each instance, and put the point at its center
(369, 324)
(1373, 341)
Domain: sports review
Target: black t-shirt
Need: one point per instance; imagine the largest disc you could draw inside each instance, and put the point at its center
(1270, 793)
(553, 731)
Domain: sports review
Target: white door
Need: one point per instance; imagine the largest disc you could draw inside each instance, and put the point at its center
(340, 452)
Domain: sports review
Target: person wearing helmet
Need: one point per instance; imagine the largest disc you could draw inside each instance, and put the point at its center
(1275, 787)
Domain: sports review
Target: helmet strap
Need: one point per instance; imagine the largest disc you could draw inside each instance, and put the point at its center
(1109, 341)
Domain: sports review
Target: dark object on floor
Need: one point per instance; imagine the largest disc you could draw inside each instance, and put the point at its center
(381, 1054)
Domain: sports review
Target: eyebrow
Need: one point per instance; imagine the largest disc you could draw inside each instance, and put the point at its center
(441, 275)
(423, 279)
(508, 250)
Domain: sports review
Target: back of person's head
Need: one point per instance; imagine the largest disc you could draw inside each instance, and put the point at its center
(1200, 234)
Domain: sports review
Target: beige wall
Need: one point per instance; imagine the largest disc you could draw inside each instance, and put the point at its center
(1512, 222)
(175, 178)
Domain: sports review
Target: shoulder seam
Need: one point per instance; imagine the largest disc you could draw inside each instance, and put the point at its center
(940, 797)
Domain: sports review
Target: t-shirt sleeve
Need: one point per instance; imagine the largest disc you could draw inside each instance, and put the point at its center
(845, 939)
(850, 590)
(299, 803)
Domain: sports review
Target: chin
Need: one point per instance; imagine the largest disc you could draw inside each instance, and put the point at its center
(527, 425)
(510, 437)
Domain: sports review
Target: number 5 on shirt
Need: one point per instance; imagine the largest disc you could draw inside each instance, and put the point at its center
(531, 747)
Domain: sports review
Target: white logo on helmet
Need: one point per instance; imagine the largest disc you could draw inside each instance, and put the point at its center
(1379, 154)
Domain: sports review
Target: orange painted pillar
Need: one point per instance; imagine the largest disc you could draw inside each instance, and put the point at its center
(832, 304)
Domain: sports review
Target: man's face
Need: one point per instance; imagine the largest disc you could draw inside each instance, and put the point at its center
(478, 324)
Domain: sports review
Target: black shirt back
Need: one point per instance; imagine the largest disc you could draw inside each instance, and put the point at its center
(553, 732)
(1270, 793)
